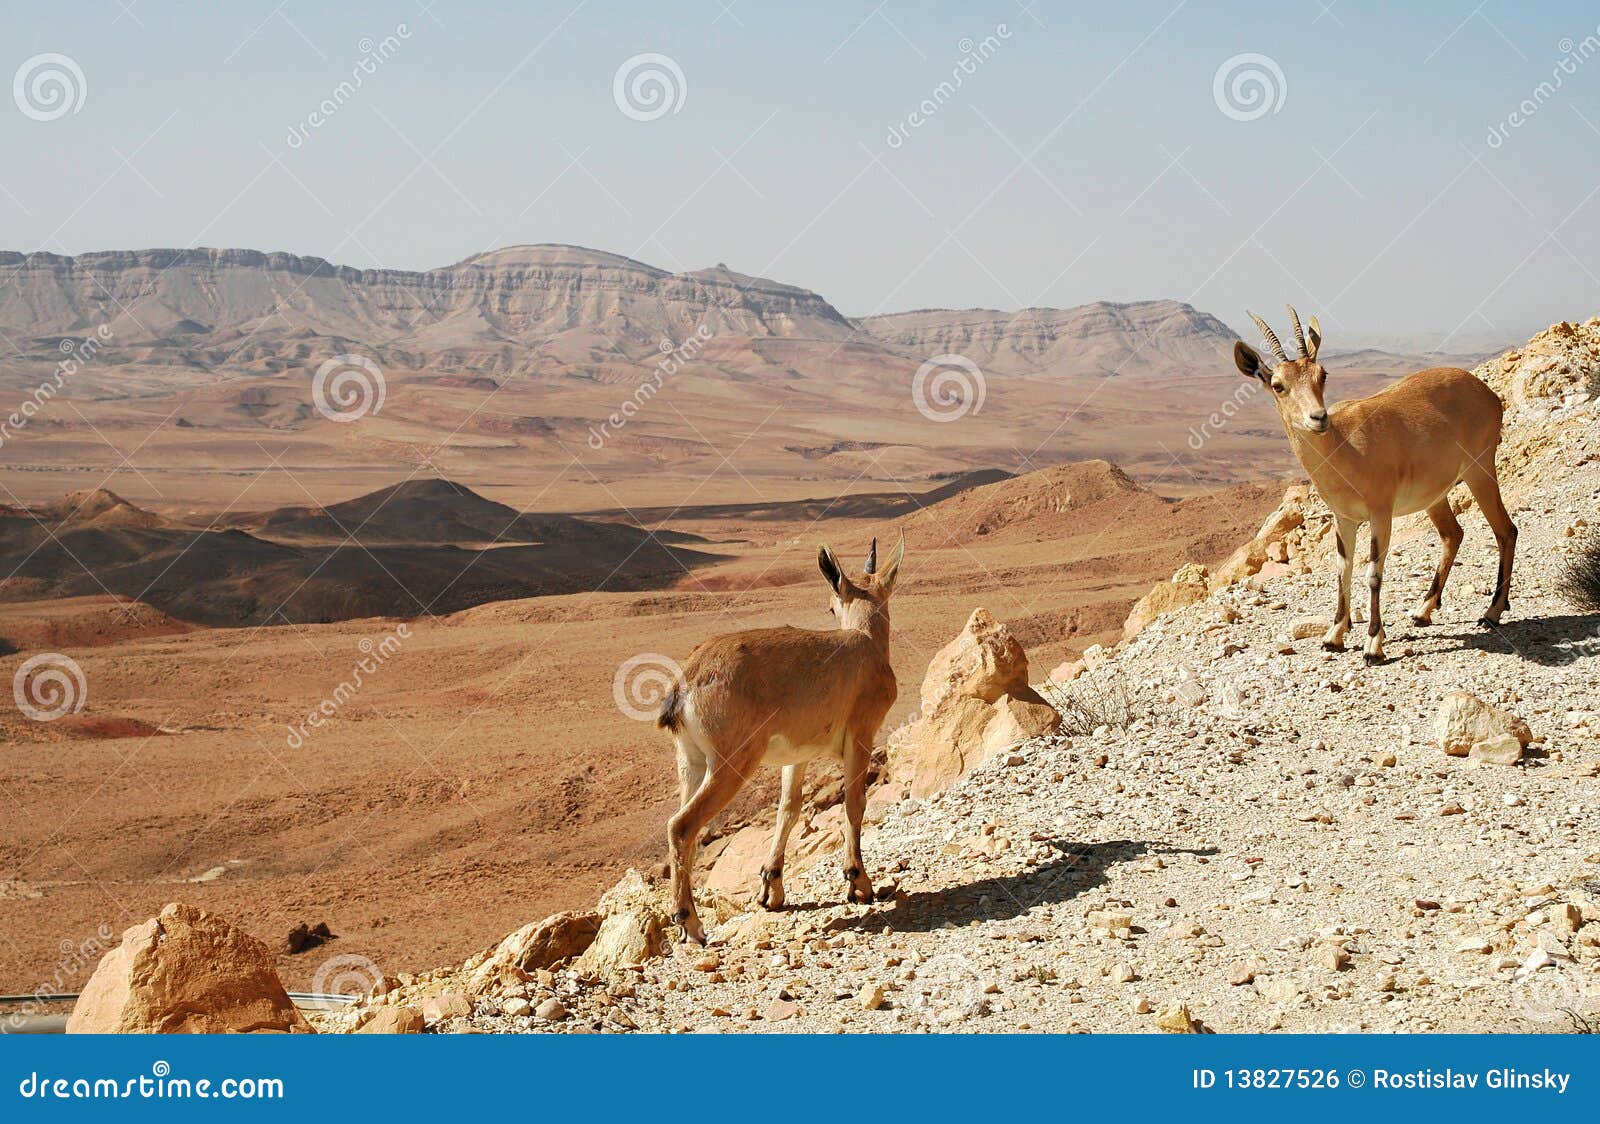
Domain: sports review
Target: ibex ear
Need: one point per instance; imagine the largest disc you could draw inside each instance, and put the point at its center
(829, 565)
(1313, 338)
(891, 572)
(1248, 360)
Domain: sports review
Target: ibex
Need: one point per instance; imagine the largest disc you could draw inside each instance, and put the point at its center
(1397, 452)
(782, 697)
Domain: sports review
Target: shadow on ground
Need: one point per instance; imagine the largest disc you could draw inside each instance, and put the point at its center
(1076, 868)
(1552, 641)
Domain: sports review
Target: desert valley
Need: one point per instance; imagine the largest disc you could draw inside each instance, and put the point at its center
(355, 567)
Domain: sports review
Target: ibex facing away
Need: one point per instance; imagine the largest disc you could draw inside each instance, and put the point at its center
(1397, 452)
(783, 697)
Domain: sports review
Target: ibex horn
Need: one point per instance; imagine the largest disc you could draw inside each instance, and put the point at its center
(872, 557)
(1270, 336)
(1299, 333)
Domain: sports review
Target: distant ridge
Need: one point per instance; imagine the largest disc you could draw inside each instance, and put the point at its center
(200, 306)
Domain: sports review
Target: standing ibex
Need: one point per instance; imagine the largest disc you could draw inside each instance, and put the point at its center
(782, 696)
(1397, 452)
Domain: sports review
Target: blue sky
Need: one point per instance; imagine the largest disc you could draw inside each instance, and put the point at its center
(1087, 157)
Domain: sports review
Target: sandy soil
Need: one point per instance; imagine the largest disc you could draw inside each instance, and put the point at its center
(483, 773)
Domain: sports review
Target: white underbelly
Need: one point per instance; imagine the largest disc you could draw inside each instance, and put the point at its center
(1417, 497)
(782, 751)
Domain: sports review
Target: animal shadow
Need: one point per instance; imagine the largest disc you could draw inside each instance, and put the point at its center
(1076, 868)
(1552, 641)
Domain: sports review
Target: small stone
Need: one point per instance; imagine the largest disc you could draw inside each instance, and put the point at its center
(551, 1010)
(873, 997)
(1502, 749)
(1333, 958)
(1478, 945)
(1141, 1005)
(781, 1009)
(1306, 627)
(1177, 1019)
(1241, 973)
(516, 1007)
(1110, 920)
(1124, 973)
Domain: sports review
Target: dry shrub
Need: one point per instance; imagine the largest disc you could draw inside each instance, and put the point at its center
(1580, 579)
(1088, 703)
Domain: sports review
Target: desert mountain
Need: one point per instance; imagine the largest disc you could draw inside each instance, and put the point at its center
(203, 305)
(1099, 338)
(523, 296)
(414, 549)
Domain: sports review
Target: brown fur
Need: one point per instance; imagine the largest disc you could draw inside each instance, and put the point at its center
(783, 697)
(1391, 454)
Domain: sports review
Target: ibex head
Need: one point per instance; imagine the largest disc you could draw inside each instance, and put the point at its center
(1295, 383)
(857, 601)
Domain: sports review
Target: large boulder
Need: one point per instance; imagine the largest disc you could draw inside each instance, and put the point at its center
(1296, 538)
(1465, 721)
(976, 702)
(635, 916)
(185, 971)
(984, 662)
(538, 944)
(1189, 585)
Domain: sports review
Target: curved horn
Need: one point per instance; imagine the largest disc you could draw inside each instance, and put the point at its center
(872, 558)
(1270, 336)
(1299, 332)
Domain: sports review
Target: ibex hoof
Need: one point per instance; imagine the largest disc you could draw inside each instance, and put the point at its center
(693, 931)
(860, 891)
(1374, 659)
(1333, 645)
(1421, 620)
(771, 896)
(1488, 622)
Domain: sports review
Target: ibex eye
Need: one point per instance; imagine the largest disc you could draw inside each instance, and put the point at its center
(1278, 388)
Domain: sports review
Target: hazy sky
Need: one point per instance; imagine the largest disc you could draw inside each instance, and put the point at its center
(1089, 155)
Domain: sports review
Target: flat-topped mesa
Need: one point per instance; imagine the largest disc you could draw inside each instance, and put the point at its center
(515, 295)
(1100, 336)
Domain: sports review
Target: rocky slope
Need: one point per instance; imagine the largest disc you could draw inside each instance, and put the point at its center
(1233, 829)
